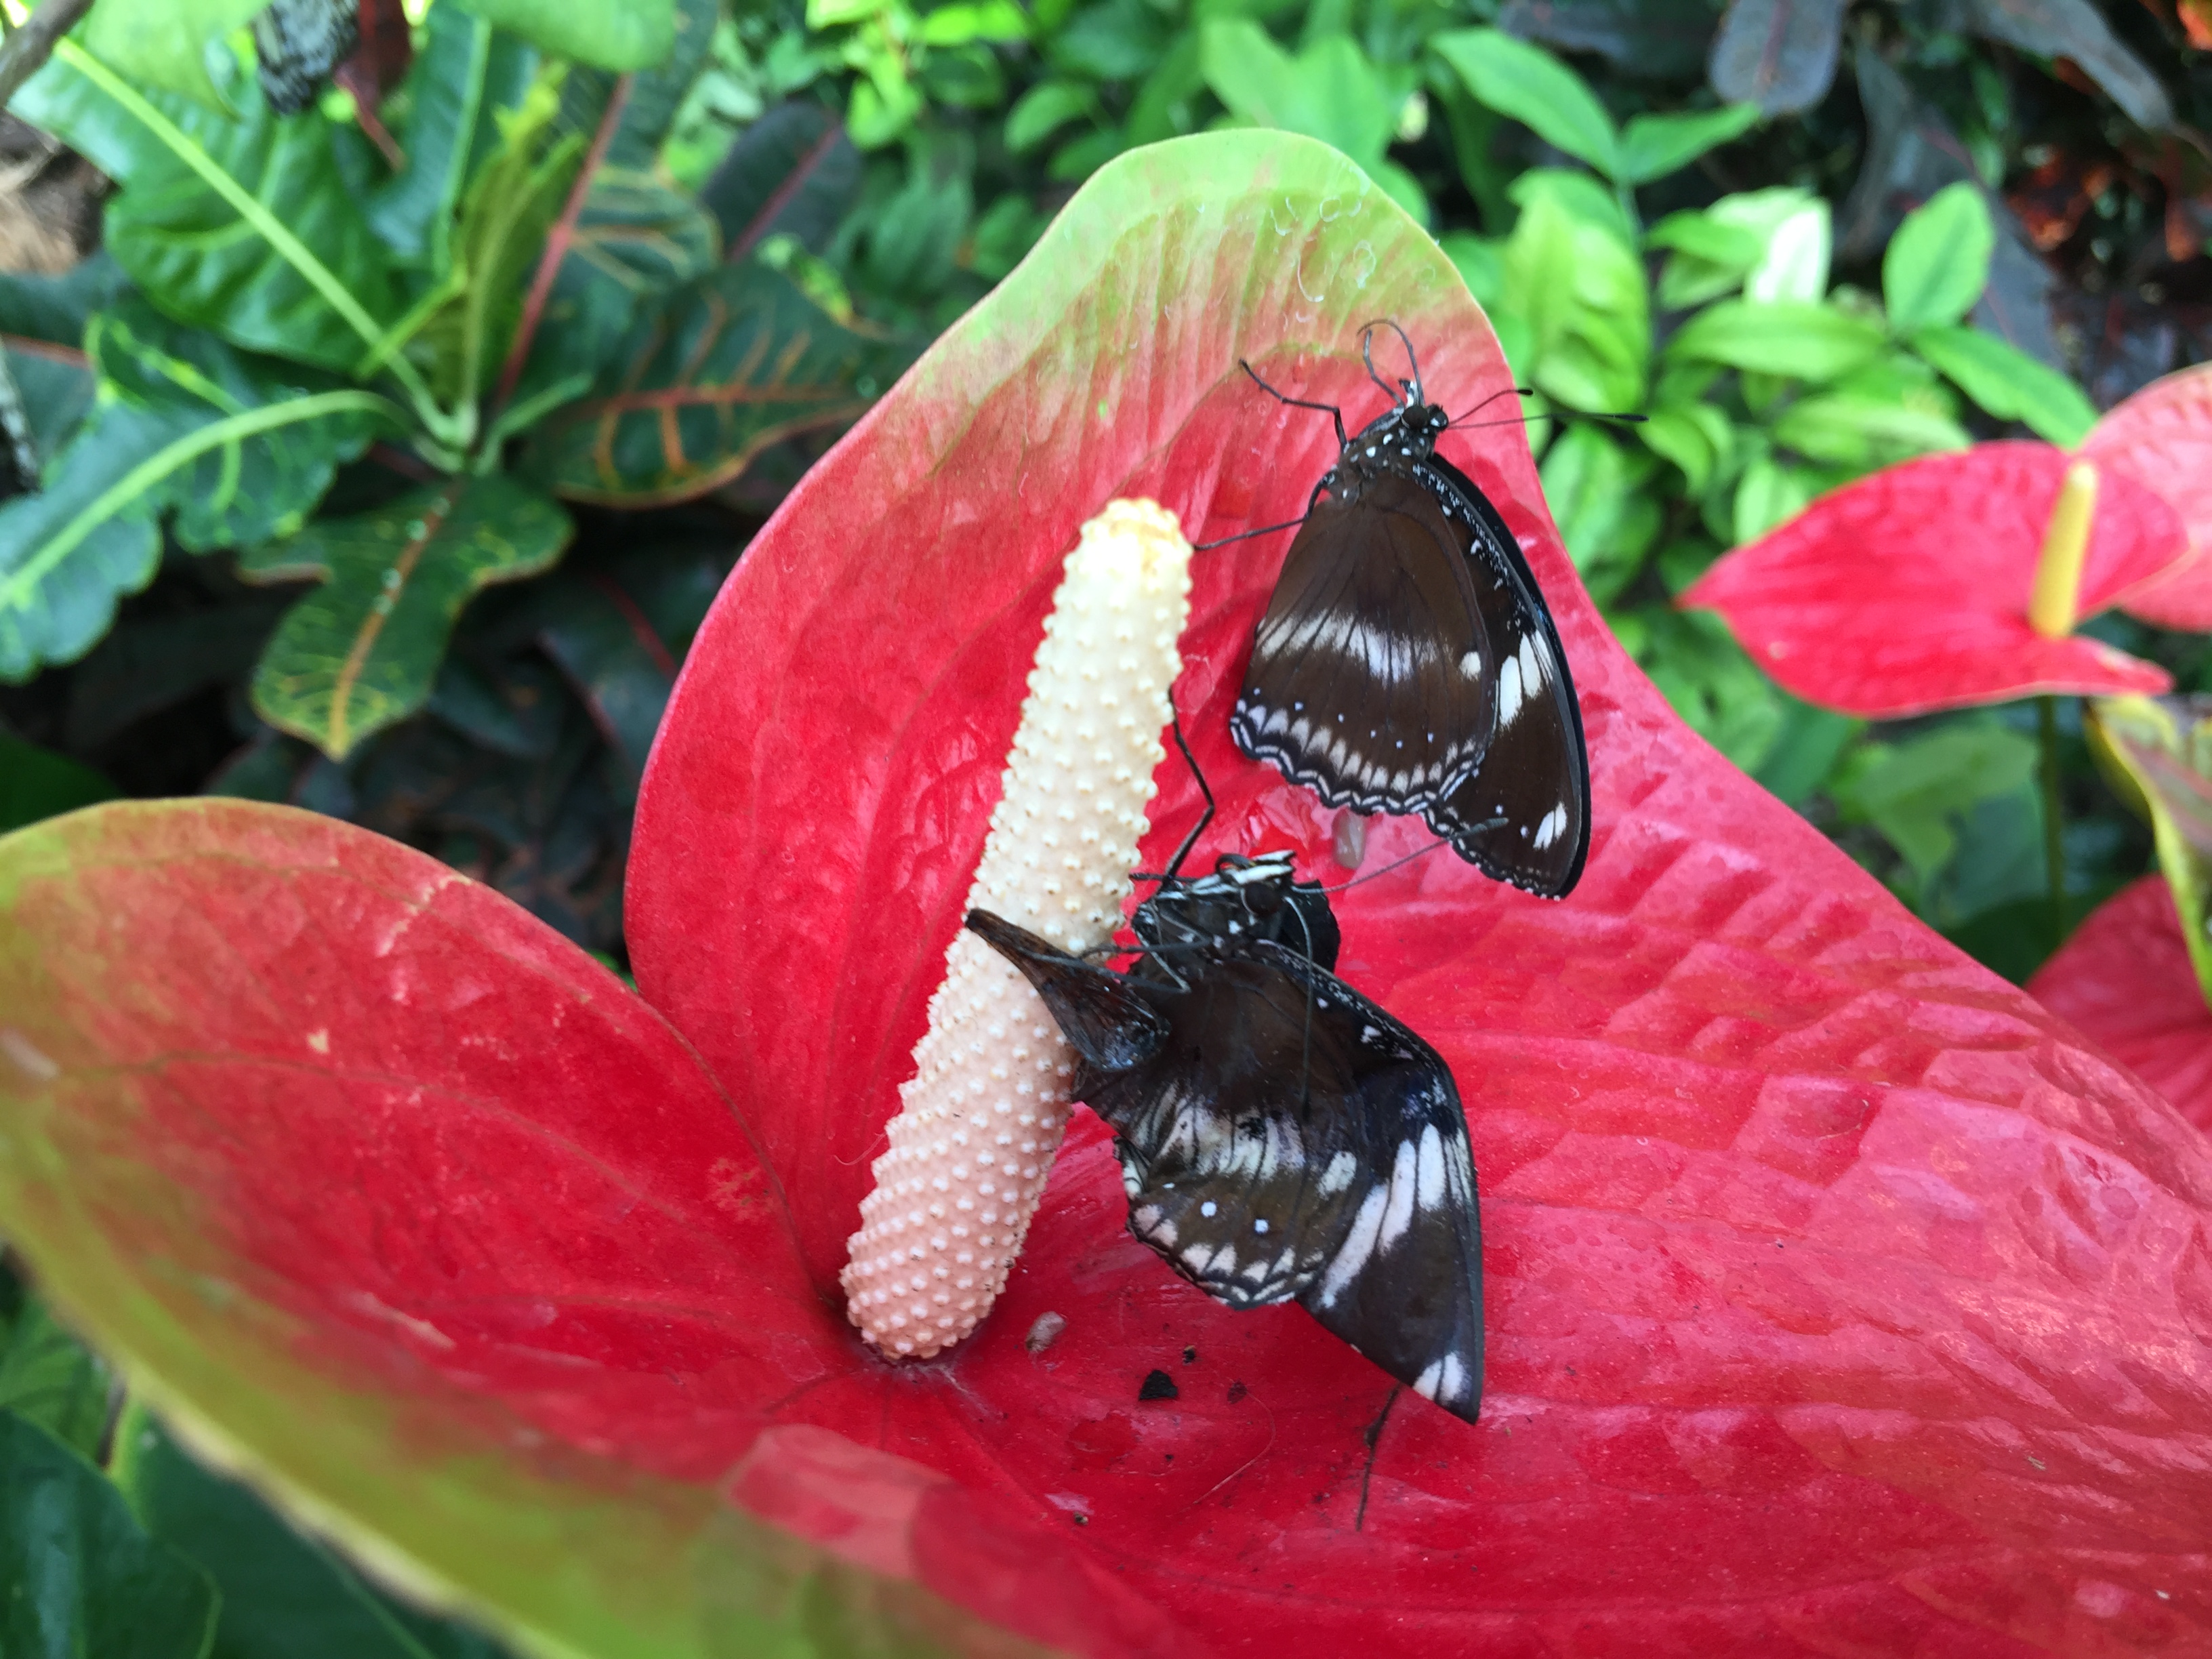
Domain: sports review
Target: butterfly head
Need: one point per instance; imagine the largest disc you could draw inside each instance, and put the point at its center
(1244, 900)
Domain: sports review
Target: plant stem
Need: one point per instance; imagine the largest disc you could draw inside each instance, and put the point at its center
(32, 42)
(2054, 837)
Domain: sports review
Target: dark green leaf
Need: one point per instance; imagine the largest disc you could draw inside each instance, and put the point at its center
(1807, 749)
(655, 93)
(284, 1597)
(46, 1375)
(361, 652)
(1700, 669)
(466, 71)
(1938, 262)
(2009, 384)
(1043, 110)
(1777, 54)
(255, 486)
(56, 384)
(1697, 437)
(150, 663)
(279, 259)
(1913, 792)
(2078, 31)
(634, 238)
(36, 784)
(1653, 146)
(90, 535)
(619, 665)
(1665, 38)
(78, 1579)
(1536, 89)
(1789, 337)
(613, 34)
(791, 172)
(714, 373)
(55, 309)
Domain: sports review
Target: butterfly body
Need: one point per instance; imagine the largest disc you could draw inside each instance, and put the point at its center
(1407, 662)
(1281, 1137)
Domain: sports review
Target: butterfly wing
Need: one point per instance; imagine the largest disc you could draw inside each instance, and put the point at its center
(1292, 1138)
(1370, 680)
(1108, 1024)
(1524, 814)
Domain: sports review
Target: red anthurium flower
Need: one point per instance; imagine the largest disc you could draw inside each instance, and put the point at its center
(2161, 438)
(1839, 1298)
(2125, 979)
(1917, 588)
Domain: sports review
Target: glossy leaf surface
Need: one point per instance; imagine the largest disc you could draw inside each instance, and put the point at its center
(2161, 438)
(1777, 54)
(360, 651)
(1836, 1285)
(713, 373)
(1908, 591)
(614, 34)
(77, 1576)
(2125, 979)
(211, 262)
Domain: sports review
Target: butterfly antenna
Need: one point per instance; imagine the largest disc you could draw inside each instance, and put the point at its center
(1418, 853)
(1329, 409)
(1612, 417)
(1174, 865)
(1367, 355)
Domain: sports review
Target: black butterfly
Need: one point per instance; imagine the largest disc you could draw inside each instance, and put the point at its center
(1281, 1136)
(1407, 662)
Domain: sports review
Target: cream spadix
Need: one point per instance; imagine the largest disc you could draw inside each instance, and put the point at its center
(977, 1126)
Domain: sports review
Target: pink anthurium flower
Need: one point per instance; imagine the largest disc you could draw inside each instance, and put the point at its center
(2125, 978)
(1958, 579)
(1837, 1292)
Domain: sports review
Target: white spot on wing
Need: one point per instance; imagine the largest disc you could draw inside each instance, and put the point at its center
(1425, 1384)
(1335, 1178)
(1553, 826)
(1432, 1169)
(1471, 664)
(1404, 1172)
(1358, 1245)
(1508, 691)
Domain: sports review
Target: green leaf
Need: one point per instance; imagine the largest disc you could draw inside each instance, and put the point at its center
(465, 71)
(1043, 110)
(1938, 263)
(361, 652)
(36, 783)
(1788, 337)
(1854, 430)
(251, 488)
(2008, 383)
(713, 371)
(1595, 488)
(244, 227)
(2158, 752)
(636, 237)
(1579, 194)
(656, 94)
(1913, 792)
(1806, 750)
(1579, 288)
(78, 1578)
(1697, 437)
(90, 534)
(1705, 675)
(46, 1375)
(166, 43)
(1329, 91)
(511, 203)
(1536, 89)
(1768, 492)
(965, 20)
(614, 34)
(284, 1596)
(1653, 146)
(1799, 244)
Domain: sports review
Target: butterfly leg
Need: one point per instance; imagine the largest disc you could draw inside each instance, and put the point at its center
(1329, 409)
(1174, 866)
